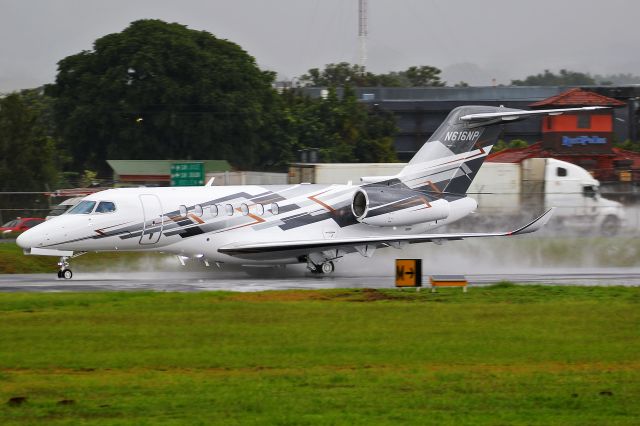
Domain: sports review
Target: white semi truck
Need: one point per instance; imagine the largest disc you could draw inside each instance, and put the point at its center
(540, 183)
(504, 189)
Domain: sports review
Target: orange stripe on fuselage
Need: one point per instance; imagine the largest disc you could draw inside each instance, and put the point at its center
(196, 218)
(325, 205)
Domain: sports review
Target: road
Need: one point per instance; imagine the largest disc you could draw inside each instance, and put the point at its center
(207, 281)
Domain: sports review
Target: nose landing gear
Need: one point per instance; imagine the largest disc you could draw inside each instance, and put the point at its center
(65, 268)
(64, 271)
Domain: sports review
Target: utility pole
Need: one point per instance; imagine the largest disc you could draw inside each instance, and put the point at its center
(362, 31)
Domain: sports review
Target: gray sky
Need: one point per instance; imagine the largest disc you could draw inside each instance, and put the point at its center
(472, 40)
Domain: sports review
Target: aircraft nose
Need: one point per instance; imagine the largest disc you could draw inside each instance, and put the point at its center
(27, 239)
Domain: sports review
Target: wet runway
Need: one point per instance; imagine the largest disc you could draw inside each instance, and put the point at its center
(207, 281)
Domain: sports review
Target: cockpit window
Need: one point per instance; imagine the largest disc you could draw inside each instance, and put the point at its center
(59, 209)
(106, 207)
(84, 207)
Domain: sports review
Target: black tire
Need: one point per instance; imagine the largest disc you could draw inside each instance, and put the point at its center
(610, 226)
(67, 274)
(327, 267)
(59, 274)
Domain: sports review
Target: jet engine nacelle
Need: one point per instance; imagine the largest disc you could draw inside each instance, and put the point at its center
(396, 207)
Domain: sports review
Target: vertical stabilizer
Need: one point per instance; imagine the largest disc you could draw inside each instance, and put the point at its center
(451, 158)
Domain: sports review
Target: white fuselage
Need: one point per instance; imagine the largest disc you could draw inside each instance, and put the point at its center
(197, 221)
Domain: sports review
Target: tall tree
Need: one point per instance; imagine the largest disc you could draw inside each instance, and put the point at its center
(27, 148)
(340, 127)
(158, 91)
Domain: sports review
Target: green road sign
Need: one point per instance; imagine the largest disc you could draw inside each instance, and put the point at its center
(187, 174)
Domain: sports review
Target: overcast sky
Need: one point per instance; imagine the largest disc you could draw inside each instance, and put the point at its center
(472, 40)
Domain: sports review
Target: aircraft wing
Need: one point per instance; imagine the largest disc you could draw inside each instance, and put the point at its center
(287, 249)
(510, 115)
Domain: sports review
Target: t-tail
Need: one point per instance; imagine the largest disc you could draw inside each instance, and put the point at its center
(448, 162)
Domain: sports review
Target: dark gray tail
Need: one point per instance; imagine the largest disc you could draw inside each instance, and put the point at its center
(451, 158)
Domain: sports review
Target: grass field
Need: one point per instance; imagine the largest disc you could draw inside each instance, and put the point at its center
(499, 355)
(13, 261)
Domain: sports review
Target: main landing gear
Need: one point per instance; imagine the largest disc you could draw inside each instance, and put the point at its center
(323, 268)
(65, 267)
(322, 263)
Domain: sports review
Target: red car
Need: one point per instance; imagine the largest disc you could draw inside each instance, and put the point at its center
(20, 224)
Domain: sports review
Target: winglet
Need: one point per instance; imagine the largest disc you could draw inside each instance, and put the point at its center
(535, 225)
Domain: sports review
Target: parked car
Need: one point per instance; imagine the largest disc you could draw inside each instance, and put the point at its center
(20, 224)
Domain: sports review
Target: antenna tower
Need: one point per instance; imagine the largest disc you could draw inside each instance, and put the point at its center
(362, 31)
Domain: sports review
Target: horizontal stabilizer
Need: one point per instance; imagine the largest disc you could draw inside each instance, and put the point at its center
(510, 115)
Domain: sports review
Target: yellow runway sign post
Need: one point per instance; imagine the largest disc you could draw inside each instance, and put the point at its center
(408, 272)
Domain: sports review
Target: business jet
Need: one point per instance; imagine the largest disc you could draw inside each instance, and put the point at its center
(316, 225)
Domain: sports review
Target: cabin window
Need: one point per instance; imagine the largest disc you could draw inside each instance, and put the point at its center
(213, 209)
(183, 211)
(584, 121)
(274, 208)
(244, 209)
(106, 207)
(229, 209)
(198, 210)
(84, 207)
(561, 172)
(260, 209)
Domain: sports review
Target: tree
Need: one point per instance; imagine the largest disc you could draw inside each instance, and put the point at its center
(343, 129)
(343, 73)
(339, 75)
(424, 76)
(27, 148)
(620, 79)
(163, 91)
(564, 78)
(515, 143)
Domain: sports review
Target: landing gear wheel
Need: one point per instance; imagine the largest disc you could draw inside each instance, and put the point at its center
(327, 267)
(59, 274)
(66, 274)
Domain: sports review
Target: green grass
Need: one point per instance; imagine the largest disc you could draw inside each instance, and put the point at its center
(13, 261)
(499, 355)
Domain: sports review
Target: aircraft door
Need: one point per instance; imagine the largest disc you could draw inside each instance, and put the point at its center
(152, 217)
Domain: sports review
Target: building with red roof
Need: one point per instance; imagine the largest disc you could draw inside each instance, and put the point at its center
(582, 138)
